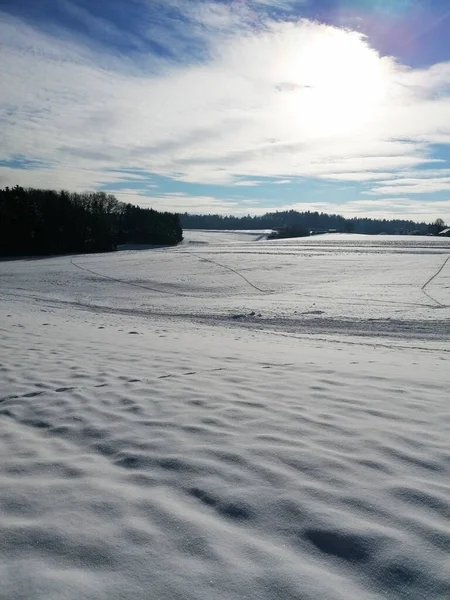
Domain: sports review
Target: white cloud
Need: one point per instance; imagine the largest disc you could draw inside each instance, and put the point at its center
(217, 17)
(69, 178)
(182, 203)
(248, 183)
(360, 176)
(283, 4)
(286, 100)
(412, 186)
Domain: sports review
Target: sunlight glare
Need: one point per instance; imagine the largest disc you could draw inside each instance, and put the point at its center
(341, 83)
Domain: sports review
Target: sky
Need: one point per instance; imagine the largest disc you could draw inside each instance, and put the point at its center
(231, 106)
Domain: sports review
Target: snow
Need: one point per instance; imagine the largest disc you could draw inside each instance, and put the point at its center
(232, 418)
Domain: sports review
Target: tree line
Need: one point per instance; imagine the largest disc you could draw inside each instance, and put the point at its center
(42, 222)
(306, 221)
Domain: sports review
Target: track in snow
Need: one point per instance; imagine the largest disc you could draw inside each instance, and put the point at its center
(432, 278)
(214, 262)
(129, 283)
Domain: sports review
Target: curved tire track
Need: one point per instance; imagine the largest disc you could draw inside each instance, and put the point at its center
(431, 279)
(130, 283)
(214, 262)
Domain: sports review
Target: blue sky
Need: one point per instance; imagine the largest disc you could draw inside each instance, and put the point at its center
(233, 107)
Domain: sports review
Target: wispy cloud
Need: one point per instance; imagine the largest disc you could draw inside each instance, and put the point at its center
(281, 4)
(248, 183)
(413, 186)
(182, 203)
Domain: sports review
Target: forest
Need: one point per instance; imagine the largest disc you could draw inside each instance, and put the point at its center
(44, 222)
(307, 221)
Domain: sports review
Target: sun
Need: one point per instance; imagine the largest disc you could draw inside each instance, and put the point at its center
(340, 83)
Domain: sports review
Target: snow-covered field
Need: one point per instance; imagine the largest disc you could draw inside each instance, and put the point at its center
(232, 418)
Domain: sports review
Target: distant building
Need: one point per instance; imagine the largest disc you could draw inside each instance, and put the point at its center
(445, 232)
(317, 231)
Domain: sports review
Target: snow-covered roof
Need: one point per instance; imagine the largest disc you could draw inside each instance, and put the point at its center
(445, 231)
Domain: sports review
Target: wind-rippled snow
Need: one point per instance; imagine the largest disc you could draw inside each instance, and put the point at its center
(232, 418)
